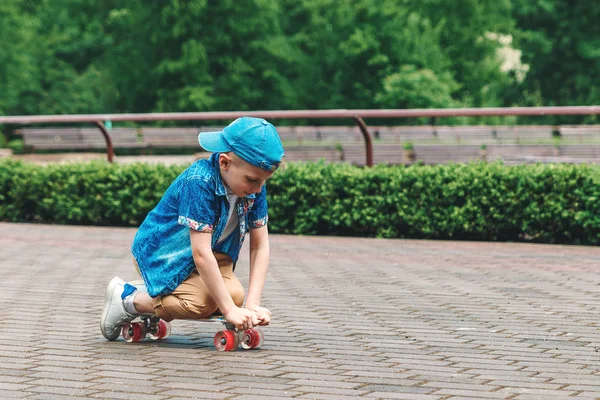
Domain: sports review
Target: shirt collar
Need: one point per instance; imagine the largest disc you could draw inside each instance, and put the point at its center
(220, 189)
(219, 186)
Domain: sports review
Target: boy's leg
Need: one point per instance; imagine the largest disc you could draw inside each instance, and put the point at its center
(234, 286)
(191, 300)
(119, 305)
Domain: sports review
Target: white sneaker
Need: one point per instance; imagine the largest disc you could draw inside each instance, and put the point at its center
(114, 315)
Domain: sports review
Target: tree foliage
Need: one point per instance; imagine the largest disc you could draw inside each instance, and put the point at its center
(85, 56)
(560, 40)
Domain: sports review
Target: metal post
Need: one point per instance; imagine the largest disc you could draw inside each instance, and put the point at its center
(368, 142)
(109, 146)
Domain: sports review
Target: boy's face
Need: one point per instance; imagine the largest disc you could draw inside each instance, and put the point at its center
(241, 177)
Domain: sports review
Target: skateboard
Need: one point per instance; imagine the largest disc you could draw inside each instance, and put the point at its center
(225, 340)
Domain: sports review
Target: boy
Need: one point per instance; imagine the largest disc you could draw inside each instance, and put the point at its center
(187, 246)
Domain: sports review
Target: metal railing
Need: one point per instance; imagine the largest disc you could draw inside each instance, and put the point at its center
(356, 115)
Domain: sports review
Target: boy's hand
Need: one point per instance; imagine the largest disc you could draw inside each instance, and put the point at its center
(242, 318)
(263, 314)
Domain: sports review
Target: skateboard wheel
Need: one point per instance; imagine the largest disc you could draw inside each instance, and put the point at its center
(163, 330)
(226, 340)
(253, 338)
(133, 332)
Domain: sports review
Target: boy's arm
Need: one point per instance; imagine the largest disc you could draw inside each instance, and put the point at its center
(209, 271)
(259, 266)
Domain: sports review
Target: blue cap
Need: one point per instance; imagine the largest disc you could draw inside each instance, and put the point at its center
(252, 139)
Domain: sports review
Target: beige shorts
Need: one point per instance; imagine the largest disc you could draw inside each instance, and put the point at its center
(191, 299)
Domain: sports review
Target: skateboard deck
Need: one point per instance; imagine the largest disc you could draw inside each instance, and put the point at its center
(225, 340)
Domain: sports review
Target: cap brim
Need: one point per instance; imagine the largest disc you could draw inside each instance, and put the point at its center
(213, 142)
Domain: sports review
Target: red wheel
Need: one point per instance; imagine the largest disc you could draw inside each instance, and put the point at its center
(163, 330)
(226, 340)
(133, 332)
(253, 338)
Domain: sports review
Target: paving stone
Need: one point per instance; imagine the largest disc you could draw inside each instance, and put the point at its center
(125, 388)
(541, 393)
(529, 385)
(311, 376)
(591, 389)
(203, 387)
(490, 387)
(130, 369)
(13, 386)
(79, 366)
(196, 375)
(324, 383)
(248, 372)
(64, 382)
(63, 391)
(471, 393)
(259, 393)
(116, 373)
(121, 382)
(329, 390)
(14, 379)
(48, 396)
(260, 384)
(322, 396)
(385, 381)
(15, 394)
(280, 396)
(549, 397)
(405, 396)
(126, 396)
(398, 389)
(369, 365)
(376, 374)
(195, 394)
(6, 365)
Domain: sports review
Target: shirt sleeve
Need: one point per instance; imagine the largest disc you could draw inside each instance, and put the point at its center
(197, 205)
(258, 215)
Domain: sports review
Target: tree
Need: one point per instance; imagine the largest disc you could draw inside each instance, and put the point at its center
(560, 40)
(19, 71)
(390, 53)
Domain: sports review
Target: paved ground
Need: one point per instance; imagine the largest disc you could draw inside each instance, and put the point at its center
(389, 319)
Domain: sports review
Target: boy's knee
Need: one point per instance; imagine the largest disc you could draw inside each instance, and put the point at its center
(237, 294)
(201, 310)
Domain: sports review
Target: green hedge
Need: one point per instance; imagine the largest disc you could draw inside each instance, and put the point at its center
(94, 193)
(542, 203)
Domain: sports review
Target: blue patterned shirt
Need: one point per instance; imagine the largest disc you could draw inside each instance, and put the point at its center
(197, 199)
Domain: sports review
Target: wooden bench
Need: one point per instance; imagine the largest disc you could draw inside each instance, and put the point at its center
(586, 151)
(565, 153)
(391, 153)
(329, 134)
(78, 138)
(402, 134)
(92, 138)
(313, 153)
(426, 153)
(171, 137)
(580, 133)
(522, 133)
(465, 134)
